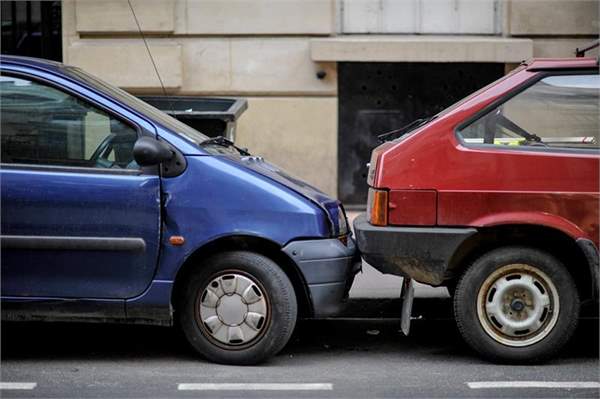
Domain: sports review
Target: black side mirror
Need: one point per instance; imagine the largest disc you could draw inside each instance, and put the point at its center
(148, 151)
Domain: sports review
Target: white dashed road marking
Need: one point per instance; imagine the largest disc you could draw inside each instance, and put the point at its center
(534, 384)
(18, 385)
(255, 387)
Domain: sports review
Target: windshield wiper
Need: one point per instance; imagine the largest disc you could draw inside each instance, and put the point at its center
(403, 130)
(222, 141)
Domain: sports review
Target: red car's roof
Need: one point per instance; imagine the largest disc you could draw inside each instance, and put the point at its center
(536, 64)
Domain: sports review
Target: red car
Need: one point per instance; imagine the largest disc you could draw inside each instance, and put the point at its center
(497, 198)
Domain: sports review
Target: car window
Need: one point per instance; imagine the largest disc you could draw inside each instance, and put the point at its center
(42, 125)
(135, 103)
(559, 111)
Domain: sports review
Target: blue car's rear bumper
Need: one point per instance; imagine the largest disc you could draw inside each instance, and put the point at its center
(328, 267)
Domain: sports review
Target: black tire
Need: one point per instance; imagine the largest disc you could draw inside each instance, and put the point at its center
(451, 287)
(472, 328)
(279, 294)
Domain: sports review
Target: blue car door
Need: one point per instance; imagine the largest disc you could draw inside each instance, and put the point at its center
(80, 219)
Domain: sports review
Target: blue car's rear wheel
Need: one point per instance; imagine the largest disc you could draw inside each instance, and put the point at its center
(238, 308)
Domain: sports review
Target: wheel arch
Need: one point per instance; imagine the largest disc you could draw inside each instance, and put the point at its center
(249, 243)
(549, 239)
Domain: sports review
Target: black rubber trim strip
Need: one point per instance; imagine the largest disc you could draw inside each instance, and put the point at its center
(73, 243)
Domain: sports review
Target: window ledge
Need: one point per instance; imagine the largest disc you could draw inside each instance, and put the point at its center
(420, 48)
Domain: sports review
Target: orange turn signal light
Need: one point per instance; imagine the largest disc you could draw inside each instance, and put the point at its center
(176, 240)
(379, 208)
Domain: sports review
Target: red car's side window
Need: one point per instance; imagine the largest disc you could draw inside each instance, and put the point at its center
(558, 111)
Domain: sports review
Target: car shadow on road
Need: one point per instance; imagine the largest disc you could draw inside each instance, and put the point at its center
(433, 337)
(433, 334)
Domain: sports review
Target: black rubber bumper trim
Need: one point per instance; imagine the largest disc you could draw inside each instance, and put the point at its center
(421, 253)
(328, 267)
(591, 254)
(73, 243)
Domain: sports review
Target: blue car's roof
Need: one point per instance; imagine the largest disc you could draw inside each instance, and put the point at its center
(49, 66)
(107, 91)
(33, 62)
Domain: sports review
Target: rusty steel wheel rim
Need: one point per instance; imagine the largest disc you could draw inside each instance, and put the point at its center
(518, 305)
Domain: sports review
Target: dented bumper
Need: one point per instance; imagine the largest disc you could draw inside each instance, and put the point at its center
(421, 253)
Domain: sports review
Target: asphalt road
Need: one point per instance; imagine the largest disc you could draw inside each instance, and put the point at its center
(354, 358)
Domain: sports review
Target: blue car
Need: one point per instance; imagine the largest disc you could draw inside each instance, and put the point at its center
(112, 211)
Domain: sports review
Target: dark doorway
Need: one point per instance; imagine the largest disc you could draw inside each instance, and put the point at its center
(32, 29)
(378, 97)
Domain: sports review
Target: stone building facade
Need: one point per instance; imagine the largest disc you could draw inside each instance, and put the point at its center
(284, 56)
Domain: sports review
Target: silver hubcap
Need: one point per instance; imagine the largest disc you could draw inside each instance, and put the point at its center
(518, 305)
(233, 309)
